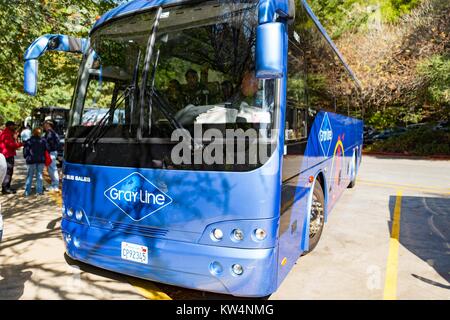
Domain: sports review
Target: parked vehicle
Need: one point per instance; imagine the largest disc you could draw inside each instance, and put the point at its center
(388, 133)
(442, 126)
(369, 133)
(60, 118)
(415, 126)
(132, 205)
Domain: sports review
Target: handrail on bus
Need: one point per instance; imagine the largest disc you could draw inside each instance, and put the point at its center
(48, 42)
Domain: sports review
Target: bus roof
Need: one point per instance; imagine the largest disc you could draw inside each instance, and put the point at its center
(131, 7)
(142, 5)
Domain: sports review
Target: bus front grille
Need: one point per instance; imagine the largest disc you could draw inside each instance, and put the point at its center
(140, 230)
(129, 228)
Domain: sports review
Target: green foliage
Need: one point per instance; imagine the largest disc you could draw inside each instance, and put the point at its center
(21, 22)
(340, 16)
(419, 142)
(400, 7)
(436, 70)
(394, 116)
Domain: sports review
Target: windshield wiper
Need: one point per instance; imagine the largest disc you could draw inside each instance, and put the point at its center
(96, 134)
(147, 62)
(134, 97)
(168, 111)
(99, 130)
(152, 91)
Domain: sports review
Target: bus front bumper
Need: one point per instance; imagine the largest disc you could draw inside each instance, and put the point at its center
(184, 264)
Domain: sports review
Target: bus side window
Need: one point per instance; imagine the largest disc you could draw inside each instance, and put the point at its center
(296, 102)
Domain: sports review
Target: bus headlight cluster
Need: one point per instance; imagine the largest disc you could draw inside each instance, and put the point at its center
(70, 212)
(238, 235)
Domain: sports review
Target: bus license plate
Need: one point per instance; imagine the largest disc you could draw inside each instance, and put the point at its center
(134, 252)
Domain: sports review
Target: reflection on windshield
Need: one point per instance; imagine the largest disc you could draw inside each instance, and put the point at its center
(202, 72)
(93, 117)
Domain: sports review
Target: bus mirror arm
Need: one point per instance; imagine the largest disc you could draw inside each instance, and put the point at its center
(270, 47)
(49, 42)
(288, 14)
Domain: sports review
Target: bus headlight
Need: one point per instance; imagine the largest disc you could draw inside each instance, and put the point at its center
(238, 235)
(79, 215)
(260, 234)
(70, 212)
(237, 269)
(217, 234)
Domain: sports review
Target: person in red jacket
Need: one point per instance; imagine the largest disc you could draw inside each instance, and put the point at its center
(8, 147)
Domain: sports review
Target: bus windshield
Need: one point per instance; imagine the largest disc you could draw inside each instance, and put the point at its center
(202, 72)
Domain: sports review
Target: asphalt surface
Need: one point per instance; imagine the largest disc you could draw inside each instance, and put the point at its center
(389, 238)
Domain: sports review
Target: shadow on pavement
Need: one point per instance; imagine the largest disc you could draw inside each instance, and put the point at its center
(64, 281)
(175, 293)
(425, 231)
(13, 283)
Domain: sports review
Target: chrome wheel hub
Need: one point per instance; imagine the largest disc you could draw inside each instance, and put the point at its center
(316, 217)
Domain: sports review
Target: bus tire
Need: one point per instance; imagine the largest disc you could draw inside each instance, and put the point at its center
(316, 216)
(353, 172)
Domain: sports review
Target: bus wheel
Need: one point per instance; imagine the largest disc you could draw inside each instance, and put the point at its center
(316, 217)
(353, 172)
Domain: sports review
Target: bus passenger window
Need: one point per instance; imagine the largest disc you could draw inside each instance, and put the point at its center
(296, 117)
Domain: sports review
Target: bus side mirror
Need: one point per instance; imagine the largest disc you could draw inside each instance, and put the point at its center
(49, 42)
(270, 50)
(30, 77)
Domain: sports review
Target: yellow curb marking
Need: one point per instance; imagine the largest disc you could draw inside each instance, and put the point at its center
(390, 286)
(56, 196)
(148, 289)
(425, 189)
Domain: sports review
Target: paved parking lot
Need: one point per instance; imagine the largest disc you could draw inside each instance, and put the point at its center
(389, 238)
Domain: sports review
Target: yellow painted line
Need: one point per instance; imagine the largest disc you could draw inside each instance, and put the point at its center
(406, 186)
(390, 286)
(56, 196)
(148, 289)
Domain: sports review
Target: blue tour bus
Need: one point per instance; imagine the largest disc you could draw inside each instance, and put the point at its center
(206, 69)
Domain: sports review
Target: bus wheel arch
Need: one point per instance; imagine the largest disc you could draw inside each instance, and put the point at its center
(320, 177)
(354, 170)
(317, 198)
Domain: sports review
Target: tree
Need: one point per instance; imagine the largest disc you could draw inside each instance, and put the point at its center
(23, 21)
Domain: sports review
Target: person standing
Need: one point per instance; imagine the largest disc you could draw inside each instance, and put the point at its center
(34, 154)
(8, 147)
(25, 135)
(53, 142)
